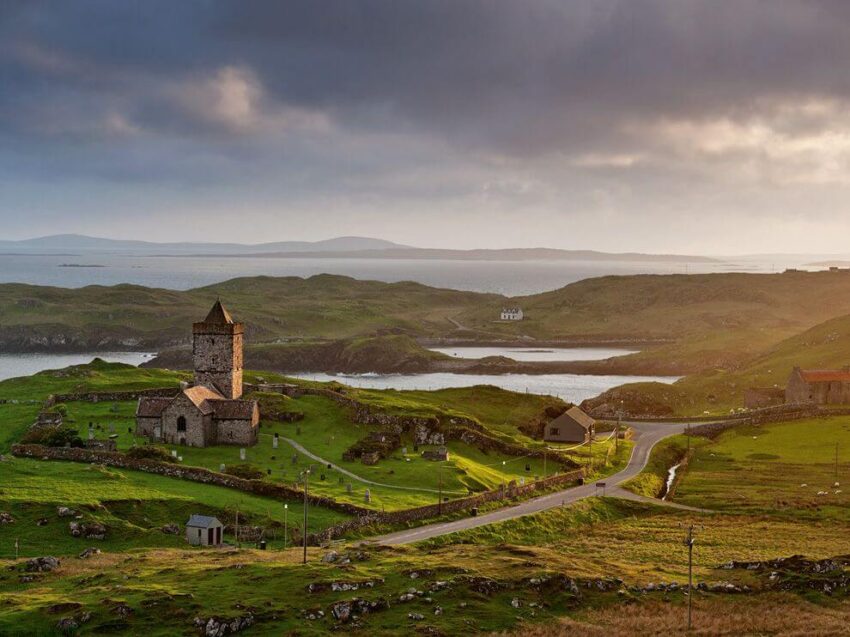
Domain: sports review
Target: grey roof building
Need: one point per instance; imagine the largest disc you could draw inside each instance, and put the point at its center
(572, 426)
(204, 530)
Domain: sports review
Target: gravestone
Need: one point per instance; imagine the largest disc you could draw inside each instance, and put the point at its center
(275, 441)
(367, 497)
(222, 467)
(242, 454)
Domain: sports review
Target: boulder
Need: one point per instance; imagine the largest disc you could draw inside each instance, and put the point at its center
(171, 529)
(87, 553)
(41, 564)
(6, 518)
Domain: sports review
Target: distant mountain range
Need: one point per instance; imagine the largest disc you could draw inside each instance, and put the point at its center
(337, 248)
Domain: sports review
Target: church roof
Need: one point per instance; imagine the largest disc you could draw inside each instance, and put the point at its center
(218, 314)
(200, 395)
(233, 409)
(203, 521)
(152, 407)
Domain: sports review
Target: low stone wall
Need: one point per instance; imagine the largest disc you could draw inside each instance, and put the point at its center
(195, 474)
(363, 517)
(114, 396)
(767, 416)
(510, 492)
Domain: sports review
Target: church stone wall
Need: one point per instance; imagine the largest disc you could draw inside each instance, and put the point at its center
(147, 426)
(217, 356)
(198, 426)
(237, 432)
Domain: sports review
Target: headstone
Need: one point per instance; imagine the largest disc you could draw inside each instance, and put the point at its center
(404, 451)
(174, 453)
(521, 481)
(242, 454)
(222, 467)
(348, 488)
(179, 458)
(367, 497)
(274, 441)
(294, 458)
(91, 432)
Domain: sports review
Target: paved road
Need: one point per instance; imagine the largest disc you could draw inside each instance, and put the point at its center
(647, 435)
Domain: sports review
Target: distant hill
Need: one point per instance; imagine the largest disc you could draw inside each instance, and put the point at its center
(339, 248)
(78, 242)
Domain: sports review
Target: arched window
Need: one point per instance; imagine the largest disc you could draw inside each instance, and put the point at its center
(181, 423)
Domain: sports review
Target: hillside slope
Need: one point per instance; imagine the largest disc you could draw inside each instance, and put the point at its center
(708, 321)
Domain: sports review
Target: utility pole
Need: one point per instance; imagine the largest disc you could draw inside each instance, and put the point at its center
(836, 462)
(306, 477)
(440, 489)
(689, 542)
(237, 528)
(688, 436)
(285, 525)
(544, 462)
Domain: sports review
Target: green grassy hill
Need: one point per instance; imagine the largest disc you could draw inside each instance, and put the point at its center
(707, 320)
(824, 346)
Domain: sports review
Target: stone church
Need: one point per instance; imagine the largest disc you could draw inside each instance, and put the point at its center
(210, 411)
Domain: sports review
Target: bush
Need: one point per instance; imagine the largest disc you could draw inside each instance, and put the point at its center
(53, 437)
(148, 452)
(245, 471)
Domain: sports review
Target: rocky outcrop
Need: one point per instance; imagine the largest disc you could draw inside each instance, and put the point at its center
(42, 564)
(219, 627)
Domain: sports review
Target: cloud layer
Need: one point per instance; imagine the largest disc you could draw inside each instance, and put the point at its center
(614, 124)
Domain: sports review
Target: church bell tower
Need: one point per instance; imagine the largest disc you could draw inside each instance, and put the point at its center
(217, 352)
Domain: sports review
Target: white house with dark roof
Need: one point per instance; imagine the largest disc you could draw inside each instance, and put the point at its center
(511, 314)
(204, 530)
(211, 411)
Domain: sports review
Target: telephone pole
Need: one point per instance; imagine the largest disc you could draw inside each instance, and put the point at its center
(440, 489)
(306, 477)
(689, 542)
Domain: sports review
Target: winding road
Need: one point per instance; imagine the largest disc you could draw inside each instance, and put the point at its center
(647, 435)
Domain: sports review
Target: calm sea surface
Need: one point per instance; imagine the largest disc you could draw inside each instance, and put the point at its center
(571, 387)
(514, 278)
(12, 365)
(538, 354)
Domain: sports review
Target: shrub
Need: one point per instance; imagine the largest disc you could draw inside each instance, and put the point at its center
(53, 437)
(149, 452)
(245, 471)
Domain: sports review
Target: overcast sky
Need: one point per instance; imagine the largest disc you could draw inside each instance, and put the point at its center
(716, 126)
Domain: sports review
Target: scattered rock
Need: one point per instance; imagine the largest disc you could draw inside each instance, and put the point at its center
(438, 610)
(218, 627)
(516, 603)
(416, 616)
(90, 530)
(65, 512)
(42, 522)
(41, 564)
(87, 553)
(6, 518)
(330, 557)
(171, 529)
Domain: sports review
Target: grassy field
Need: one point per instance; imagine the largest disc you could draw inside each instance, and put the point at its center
(133, 505)
(784, 469)
(327, 431)
(166, 588)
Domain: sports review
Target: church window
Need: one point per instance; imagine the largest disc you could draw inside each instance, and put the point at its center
(181, 423)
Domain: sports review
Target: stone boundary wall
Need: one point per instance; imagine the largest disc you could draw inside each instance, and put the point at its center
(194, 474)
(763, 417)
(363, 517)
(114, 396)
(509, 492)
(453, 427)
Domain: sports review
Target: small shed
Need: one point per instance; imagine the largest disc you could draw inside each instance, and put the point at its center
(572, 426)
(204, 530)
(440, 454)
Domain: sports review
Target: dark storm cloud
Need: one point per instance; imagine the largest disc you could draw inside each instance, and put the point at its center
(611, 101)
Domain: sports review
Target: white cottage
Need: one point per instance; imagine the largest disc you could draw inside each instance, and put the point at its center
(511, 313)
